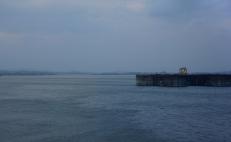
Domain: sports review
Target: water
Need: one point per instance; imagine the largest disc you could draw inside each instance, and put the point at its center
(84, 108)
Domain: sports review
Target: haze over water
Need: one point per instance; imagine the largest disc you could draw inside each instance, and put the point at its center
(94, 108)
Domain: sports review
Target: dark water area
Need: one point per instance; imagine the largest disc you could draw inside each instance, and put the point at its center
(85, 108)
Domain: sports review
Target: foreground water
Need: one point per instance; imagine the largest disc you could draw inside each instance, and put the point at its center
(84, 108)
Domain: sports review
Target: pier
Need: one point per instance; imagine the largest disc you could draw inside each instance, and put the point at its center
(178, 80)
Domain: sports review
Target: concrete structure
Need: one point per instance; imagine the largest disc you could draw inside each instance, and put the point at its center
(183, 80)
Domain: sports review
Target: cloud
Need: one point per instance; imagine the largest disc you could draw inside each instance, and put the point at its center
(187, 9)
(227, 24)
(9, 39)
(60, 3)
(136, 5)
(115, 34)
(7, 36)
(172, 8)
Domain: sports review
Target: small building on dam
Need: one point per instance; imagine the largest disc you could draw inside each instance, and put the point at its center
(183, 79)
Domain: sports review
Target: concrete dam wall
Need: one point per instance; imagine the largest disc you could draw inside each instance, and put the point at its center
(177, 80)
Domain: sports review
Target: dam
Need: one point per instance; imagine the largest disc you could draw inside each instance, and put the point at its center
(183, 79)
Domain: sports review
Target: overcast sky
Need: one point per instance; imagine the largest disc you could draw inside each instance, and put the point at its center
(115, 35)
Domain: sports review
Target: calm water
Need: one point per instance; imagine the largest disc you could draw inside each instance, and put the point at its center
(110, 109)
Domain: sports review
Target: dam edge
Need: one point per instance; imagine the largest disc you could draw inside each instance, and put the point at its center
(179, 80)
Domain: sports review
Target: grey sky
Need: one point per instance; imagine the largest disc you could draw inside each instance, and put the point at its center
(115, 35)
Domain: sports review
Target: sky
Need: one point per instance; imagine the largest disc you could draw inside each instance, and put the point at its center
(115, 35)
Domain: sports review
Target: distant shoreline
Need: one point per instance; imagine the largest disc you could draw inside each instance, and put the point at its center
(41, 73)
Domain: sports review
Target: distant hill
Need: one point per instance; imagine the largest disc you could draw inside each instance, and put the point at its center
(3, 72)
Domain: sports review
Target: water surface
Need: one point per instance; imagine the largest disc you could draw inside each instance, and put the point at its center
(94, 108)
